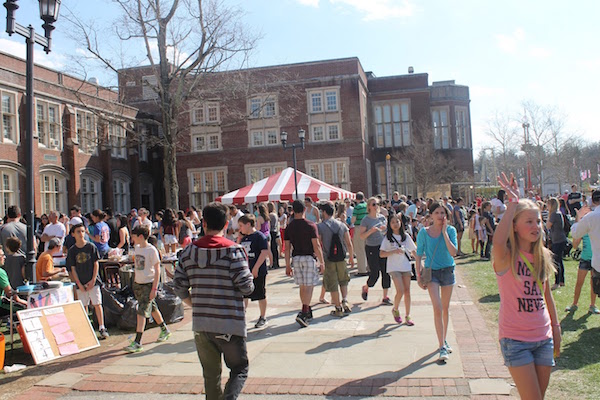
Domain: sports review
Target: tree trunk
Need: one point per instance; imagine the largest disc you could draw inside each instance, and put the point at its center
(170, 178)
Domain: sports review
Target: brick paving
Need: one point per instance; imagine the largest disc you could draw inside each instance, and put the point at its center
(479, 355)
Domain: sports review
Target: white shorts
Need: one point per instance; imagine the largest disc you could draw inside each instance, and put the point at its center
(170, 239)
(94, 296)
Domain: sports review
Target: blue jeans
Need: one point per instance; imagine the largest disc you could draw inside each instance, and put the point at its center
(210, 346)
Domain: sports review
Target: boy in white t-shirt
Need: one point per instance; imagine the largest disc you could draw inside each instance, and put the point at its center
(145, 285)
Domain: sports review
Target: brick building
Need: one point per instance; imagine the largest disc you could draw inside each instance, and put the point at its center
(84, 153)
(352, 120)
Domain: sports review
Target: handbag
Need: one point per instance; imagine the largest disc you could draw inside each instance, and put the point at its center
(425, 276)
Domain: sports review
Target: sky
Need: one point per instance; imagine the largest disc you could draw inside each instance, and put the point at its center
(507, 52)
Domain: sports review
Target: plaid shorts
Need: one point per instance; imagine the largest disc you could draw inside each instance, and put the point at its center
(306, 271)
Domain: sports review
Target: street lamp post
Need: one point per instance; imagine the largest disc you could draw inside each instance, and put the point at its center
(527, 149)
(49, 14)
(284, 137)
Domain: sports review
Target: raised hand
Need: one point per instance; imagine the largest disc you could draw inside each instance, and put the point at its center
(509, 185)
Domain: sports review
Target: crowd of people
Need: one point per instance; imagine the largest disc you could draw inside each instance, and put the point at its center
(225, 253)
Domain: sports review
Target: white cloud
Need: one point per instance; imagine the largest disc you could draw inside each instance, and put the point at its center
(310, 3)
(510, 43)
(375, 10)
(539, 52)
(18, 49)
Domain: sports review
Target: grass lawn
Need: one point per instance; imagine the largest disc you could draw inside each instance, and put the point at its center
(578, 368)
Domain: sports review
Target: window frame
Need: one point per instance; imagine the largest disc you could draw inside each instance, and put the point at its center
(121, 198)
(52, 198)
(260, 169)
(441, 131)
(86, 195)
(392, 130)
(118, 143)
(264, 135)
(206, 196)
(86, 144)
(46, 141)
(462, 129)
(207, 141)
(321, 164)
(318, 100)
(12, 115)
(12, 191)
(325, 131)
(258, 106)
(208, 109)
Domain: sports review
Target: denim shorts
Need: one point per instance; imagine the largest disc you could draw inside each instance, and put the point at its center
(517, 353)
(585, 265)
(443, 277)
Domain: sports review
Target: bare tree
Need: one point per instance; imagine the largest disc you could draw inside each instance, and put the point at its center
(185, 42)
(502, 131)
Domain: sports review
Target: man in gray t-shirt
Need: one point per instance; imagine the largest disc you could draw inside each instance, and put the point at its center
(14, 228)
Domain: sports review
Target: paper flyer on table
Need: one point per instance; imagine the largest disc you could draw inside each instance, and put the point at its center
(58, 329)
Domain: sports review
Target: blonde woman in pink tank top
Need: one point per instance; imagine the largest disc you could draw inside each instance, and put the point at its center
(528, 322)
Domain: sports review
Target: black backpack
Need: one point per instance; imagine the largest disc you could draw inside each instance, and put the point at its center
(566, 224)
(336, 250)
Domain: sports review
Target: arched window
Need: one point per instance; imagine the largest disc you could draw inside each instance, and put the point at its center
(121, 194)
(53, 191)
(9, 185)
(90, 190)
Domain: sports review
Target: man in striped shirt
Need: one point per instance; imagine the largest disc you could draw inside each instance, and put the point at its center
(212, 277)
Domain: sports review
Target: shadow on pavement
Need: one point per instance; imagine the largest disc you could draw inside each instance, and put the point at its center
(490, 298)
(352, 340)
(379, 381)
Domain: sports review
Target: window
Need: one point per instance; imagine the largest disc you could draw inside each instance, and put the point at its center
(142, 146)
(334, 171)
(462, 128)
(48, 124)
(402, 179)
(268, 137)
(118, 140)
(323, 100)
(264, 106)
(8, 111)
(392, 124)
(121, 194)
(325, 133)
(87, 132)
(206, 113)
(207, 184)
(53, 191)
(256, 172)
(91, 196)
(8, 190)
(149, 87)
(206, 142)
(441, 135)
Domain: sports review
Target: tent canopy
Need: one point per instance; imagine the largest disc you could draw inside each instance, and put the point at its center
(280, 187)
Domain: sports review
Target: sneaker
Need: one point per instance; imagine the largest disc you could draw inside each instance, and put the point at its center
(554, 287)
(572, 308)
(443, 354)
(309, 315)
(164, 335)
(397, 316)
(134, 347)
(594, 310)
(365, 292)
(387, 301)
(346, 307)
(447, 346)
(302, 319)
(409, 321)
(261, 323)
(103, 334)
(338, 312)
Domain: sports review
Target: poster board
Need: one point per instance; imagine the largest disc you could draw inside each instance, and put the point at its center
(50, 297)
(56, 331)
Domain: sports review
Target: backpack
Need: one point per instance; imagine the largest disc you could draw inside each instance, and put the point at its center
(336, 251)
(566, 224)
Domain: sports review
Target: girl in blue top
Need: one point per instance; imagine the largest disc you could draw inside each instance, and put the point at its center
(438, 244)
(585, 265)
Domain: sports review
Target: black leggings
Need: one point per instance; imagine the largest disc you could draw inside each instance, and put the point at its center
(274, 250)
(377, 264)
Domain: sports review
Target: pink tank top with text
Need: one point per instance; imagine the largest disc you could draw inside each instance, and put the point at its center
(523, 313)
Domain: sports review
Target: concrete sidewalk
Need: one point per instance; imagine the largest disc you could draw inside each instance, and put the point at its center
(364, 354)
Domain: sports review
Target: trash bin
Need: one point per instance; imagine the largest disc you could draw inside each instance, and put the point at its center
(126, 276)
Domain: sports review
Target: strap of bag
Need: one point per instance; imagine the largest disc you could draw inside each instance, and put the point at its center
(532, 271)
(398, 243)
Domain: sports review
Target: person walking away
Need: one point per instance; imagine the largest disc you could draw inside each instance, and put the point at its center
(82, 264)
(438, 244)
(397, 247)
(13, 227)
(100, 233)
(123, 233)
(283, 221)
(185, 230)
(488, 228)
(335, 276)
(359, 212)
(15, 263)
(585, 266)
(145, 286)
(558, 238)
(301, 249)
(218, 322)
(274, 234)
(459, 223)
(169, 230)
(529, 329)
(111, 221)
(473, 228)
(372, 228)
(257, 249)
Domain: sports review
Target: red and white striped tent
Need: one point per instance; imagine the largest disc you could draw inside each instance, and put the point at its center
(280, 187)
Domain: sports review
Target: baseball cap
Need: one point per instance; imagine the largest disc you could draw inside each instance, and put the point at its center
(75, 221)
